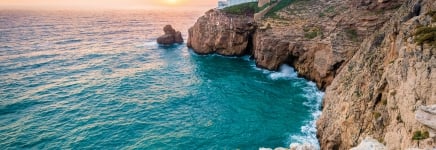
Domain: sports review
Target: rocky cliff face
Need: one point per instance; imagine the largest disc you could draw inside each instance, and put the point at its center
(317, 37)
(380, 89)
(361, 51)
(225, 34)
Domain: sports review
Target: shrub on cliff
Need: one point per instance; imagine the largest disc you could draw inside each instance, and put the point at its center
(312, 32)
(282, 4)
(352, 34)
(244, 9)
(425, 35)
(433, 15)
(419, 135)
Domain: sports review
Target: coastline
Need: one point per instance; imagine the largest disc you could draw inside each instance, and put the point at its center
(332, 49)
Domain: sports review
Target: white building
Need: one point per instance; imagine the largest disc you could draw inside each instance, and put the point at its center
(222, 4)
(227, 3)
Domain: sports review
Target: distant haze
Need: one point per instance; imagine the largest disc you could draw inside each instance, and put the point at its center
(103, 4)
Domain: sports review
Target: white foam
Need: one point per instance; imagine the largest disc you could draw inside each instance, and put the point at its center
(246, 57)
(285, 72)
(307, 139)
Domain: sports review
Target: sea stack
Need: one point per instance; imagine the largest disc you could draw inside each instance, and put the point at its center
(171, 36)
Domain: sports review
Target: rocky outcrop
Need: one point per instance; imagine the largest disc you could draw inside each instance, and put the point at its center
(316, 45)
(225, 34)
(171, 36)
(316, 38)
(362, 52)
(382, 86)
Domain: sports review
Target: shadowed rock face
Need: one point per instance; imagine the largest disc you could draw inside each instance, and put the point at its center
(225, 34)
(171, 36)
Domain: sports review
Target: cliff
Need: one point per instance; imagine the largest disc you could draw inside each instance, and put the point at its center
(383, 86)
(363, 53)
(225, 34)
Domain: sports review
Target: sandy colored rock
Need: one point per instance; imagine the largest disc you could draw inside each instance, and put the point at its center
(382, 86)
(363, 54)
(426, 115)
(225, 34)
(171, 36)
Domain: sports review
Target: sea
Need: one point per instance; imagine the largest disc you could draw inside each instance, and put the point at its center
(97, 79)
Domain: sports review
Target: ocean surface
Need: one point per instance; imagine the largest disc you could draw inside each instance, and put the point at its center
(98, 80)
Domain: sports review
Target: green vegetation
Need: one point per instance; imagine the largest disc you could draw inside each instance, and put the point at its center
(282, 4)
(433, 15)
(385, 101)
(244, 9)
(425, 35)
(381, 140)
(321, 14)
(312, 32)
(352, 34)
(330, 9)
(376, 115)
(419, 135)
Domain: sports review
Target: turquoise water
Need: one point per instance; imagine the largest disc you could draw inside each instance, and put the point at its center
(97, 80)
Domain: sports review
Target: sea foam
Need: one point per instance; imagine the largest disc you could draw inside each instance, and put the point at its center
(285, 72)
(306, 140)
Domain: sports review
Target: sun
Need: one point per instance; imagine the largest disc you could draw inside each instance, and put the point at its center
(172, 2)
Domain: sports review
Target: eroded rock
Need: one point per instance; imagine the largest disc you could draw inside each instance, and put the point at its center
(171, 36)
(427, 116)
(221, 33)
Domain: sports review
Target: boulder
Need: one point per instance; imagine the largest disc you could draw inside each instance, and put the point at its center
(171, 36)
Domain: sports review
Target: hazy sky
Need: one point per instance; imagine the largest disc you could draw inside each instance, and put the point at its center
(116, 4)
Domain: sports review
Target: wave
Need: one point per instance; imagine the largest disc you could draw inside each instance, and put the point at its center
(307, 138)
(285, 72)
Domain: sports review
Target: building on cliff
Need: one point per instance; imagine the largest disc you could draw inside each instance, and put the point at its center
(227, 3)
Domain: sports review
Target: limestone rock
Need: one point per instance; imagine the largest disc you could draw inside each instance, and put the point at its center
(225, 34)
(369, 144)
(171, 36)
(362, 52)
(427, 116)
(379, 89)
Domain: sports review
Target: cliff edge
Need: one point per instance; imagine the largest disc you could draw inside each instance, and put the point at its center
(383, 86)
(366, 54)
(225, 34)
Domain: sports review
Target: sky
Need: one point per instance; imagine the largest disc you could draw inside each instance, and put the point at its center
(102, 4)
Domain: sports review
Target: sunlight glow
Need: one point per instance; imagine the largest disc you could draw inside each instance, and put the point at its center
(172, 2)
(101, 4)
